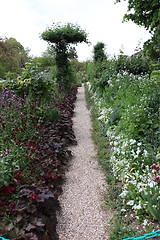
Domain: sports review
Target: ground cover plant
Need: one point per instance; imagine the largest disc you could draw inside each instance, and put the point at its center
(127, 106)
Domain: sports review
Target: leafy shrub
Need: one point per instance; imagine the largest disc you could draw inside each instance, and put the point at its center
(136, 64)
(32, 83)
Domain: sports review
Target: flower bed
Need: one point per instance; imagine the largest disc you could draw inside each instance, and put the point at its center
(34, 155)
(128, 114)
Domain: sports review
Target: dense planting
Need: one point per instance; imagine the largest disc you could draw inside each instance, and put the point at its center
(36, 128)
(128, 113)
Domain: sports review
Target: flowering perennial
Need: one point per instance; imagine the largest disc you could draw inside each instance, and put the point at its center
(128, 114)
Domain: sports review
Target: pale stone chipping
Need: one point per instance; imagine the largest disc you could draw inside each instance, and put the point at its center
(81, 216)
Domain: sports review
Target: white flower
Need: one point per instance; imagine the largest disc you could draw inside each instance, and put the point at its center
(130, 203)
(125, 73)
(123, 194)
(115, 143)
(133, 182)
(145, 153)
(103, 112)
(124, 144)
(118, 137)
(101, 117)
(132, 141)
(123, 210)
(138, 151)
(137, 206)
(118, 150)
(145, 222)
(151, 184)
(139, 144)
(133, 153)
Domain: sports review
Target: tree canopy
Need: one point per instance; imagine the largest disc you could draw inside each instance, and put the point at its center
(12, 55)
(68, 33)
(146, 13)
(99, 52)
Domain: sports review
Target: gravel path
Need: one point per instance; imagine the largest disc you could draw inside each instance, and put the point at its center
(81, 216)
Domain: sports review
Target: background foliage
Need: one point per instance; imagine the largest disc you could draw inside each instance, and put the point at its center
(147, 14)
(12, 56)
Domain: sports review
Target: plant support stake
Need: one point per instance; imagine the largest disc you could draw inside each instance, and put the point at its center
(147, 236)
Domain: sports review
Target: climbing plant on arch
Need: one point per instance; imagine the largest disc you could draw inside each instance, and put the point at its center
(62, 36)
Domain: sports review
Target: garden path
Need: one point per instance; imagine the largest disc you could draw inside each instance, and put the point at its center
(81, 216)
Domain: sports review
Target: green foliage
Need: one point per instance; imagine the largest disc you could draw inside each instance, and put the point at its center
(135, 95)
(32, 83)
(151, 196)
(152, 47)
(99, 54)
(99, 75)
(122, 231)
(67, 33)
(128, 112)
(17, 125)
(136, 64)
(156, 66)
(72, 53)
(12, 56)
(62, 37)
(49, 114)
(47, 60)
(147, 14)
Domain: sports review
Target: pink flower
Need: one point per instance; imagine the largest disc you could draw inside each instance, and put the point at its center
(27, 144)
(10, 190)
(19, 175)
(156, 179)
(154, 166)
(33, 197)
(12, 205)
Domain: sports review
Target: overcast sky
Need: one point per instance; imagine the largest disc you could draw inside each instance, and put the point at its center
(25, 20)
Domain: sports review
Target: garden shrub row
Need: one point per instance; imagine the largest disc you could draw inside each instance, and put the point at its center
(127, 108)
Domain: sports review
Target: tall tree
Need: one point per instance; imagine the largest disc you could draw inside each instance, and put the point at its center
(12, 55)
(62, 36)
(146, 13)
(99, 52)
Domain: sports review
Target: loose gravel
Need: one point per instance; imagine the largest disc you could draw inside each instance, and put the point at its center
(81, 216)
